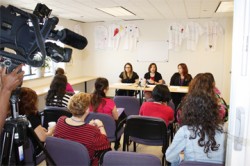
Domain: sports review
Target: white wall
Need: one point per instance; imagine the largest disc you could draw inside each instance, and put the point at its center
(109, 63)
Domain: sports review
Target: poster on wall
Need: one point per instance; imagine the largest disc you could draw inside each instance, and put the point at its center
(152, 51)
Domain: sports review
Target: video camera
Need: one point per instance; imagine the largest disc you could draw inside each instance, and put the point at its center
(29, 36)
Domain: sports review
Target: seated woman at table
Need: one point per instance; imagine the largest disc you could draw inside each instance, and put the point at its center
(159, 108)
(99, 101)
(57, 95)
(69, 88)
(201, 137)
(92, 135)
(180, 78)
(152, 77)
(128, 76)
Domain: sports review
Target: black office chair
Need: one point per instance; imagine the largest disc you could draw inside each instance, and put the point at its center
(148, 131)
(52, 114)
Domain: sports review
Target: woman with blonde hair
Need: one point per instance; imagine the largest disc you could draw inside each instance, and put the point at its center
(92, 135)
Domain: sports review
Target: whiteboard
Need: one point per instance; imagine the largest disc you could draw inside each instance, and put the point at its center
(152, 51)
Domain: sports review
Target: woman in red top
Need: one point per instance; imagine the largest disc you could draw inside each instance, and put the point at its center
(92, 135)
(159, 108)
(99, 102)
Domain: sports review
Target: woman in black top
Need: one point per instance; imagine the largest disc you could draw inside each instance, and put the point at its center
(152, 77)
(28, 106)
(128, 76)
(180, 78)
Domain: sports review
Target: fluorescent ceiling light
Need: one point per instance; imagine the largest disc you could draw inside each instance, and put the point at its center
(225, 7)
(117, 11)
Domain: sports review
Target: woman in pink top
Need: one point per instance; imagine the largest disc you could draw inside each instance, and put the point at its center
(69, 88)
(99, 102)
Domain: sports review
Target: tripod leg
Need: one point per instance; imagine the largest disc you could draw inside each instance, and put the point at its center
(7, 146)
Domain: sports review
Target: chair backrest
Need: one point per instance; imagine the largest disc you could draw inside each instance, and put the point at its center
(146, 130)
(29, 152)
(131, 104)
(197, 163)
(114, 158)
(66, 152)
(108, 122)
(52, 114)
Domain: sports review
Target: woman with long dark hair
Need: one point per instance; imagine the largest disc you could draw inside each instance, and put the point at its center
(180, 78)
(128, 76)
(99, 101)
(202, 137)
(57, 95)
(69, 88)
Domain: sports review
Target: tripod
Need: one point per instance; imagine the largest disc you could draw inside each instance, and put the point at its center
(16, 134)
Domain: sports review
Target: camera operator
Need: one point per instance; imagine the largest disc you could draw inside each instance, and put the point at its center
(8, 82)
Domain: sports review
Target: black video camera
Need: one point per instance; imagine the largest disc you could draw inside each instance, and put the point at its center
(23, 37)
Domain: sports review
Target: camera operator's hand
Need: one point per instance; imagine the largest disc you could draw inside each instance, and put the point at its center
(11, 80)
(8, 82)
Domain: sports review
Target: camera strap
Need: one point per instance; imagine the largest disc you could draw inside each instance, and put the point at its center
(40, 41)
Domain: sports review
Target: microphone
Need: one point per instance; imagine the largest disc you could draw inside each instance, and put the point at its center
(70, 38)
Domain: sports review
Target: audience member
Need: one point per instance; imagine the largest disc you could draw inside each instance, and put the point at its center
(92, 135)
(180, 78)
(69, 88)
(99, 102)
(57, 95)
(159, 108)
(8, 82)
(223, 106)
(28, 106)
(128, 76)
(202, 137)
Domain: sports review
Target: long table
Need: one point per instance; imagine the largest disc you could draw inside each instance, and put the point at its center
(125, 86)
(44, 89)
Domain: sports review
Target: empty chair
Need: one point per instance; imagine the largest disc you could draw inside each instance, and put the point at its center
(148, 131)
(52, 114)
(115, 158)
(66, 152)
(109, 123)
(131, 104)
(197, 163)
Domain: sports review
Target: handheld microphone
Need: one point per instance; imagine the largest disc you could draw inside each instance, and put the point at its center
(70, 38)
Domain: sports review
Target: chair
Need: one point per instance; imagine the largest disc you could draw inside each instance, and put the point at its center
(131, 104)
(110, 126)
(148, 131)
(52, 114)
(66, 152)
(114, 158)
(28, 155)
(197, 163)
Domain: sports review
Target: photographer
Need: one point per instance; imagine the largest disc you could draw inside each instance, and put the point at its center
(8, 82)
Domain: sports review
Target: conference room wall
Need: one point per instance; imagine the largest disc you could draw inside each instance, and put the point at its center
(109, 63)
